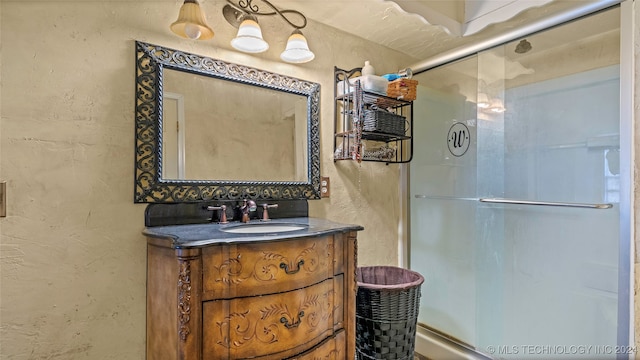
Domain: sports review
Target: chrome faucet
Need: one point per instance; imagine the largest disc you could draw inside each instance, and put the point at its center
(247, 207)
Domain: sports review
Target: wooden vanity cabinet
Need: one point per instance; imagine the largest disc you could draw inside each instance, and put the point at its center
(276, 299)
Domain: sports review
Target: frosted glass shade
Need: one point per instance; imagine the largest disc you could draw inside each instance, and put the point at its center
(191, 23)
(297, 50)
(249, 38)
(483, 101)
(497, 106)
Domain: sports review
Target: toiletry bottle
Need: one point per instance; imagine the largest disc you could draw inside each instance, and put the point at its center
(367, 69)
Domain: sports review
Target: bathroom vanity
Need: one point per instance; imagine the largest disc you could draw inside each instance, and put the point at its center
(283, 289)
(280, 289)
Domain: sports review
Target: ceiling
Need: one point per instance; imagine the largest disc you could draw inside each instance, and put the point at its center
(423, 29)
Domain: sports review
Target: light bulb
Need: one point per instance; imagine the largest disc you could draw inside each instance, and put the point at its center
(192, 31)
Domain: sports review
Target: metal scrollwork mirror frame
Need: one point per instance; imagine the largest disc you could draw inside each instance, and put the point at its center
(150, 187)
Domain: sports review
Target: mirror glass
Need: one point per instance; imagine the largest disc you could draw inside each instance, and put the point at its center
(207, 129)
(224, 130)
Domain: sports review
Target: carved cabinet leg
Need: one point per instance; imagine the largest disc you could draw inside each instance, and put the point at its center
(189, 304)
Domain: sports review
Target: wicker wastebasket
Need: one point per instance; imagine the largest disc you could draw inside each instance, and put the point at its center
(387, 305)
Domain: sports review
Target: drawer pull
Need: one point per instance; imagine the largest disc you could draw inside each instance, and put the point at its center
(292, 325)
(291, 272)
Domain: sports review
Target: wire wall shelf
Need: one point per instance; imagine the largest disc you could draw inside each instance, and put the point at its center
(370, 126)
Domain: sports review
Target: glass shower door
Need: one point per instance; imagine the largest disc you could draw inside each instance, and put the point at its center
(515, 193)
(443, 234)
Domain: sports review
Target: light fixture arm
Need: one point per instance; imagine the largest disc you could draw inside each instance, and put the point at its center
(248, 7)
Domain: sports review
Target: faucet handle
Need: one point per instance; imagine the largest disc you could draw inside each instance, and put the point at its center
(265, 211)
(223, 213)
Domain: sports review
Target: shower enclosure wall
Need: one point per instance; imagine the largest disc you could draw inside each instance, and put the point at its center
(515, 196)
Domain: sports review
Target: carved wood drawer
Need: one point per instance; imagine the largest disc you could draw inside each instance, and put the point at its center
(331, 349)
(268, 327)
(266, 267)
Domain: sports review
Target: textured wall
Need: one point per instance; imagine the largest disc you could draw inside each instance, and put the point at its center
(72, 254)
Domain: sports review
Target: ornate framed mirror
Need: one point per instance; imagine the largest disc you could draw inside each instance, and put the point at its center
(207, 129)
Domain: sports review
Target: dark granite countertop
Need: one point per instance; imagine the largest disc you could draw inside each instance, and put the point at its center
(198, 235)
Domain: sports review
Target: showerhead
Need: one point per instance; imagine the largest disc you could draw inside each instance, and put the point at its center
(523, 47)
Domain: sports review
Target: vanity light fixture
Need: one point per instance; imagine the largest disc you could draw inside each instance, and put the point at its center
(244, 14)
(191, 23)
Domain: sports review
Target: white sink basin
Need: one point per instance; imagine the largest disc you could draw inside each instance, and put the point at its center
(263, 228)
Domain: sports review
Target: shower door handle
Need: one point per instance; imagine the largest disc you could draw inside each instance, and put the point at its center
(520, 202)
(545, 203)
